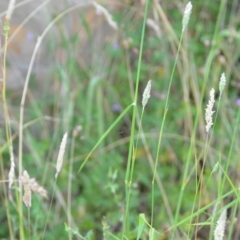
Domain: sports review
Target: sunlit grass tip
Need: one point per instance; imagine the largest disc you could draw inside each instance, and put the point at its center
(186, 15)
(220, 226)
(209, 111)
(146, 94)
(60, 155)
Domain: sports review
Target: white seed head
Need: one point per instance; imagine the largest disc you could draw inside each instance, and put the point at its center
(146, 94)
(186, 15)
(220, 227)
(222, 83)
(60, 154)
(209, 112)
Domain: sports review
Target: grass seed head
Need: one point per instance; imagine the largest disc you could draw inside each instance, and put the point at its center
(60, 154)
(36, 188)
(222, 83)
(27, 196)
(186, 15)
(220, 227)
(209, 111)
(146, 94)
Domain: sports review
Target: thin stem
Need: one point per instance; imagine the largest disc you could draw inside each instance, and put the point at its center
(29, 226)
(8, 128)
(131, 144)
(193, 136)
(48, 212)
(69, 197)
(161, 128)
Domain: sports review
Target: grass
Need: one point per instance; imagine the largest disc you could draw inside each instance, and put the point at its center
(129, 171)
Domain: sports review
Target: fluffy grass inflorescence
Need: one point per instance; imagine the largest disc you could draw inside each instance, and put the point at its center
(31, 185)
(146, 94)
(209, 111)
(222, 83)
(186, 15)
(61, 154)
(220, 227)
(25, 181)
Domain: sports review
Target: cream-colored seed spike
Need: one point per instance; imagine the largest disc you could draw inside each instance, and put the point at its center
(60, 154)
(220, 227)
(209, 112)
(222, 83)
(146, 94)
(186, 15)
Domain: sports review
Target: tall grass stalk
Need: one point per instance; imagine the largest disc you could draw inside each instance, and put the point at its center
(185, 22)
(145, 145)
(125, 228)
(24, 94)
(7, 125)
(70, 174)
(199, 183)
(58, 169)
(198, 114)
(207, 144)
(69, 194)
(146, 96)
(233, 140)
(161, 132)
